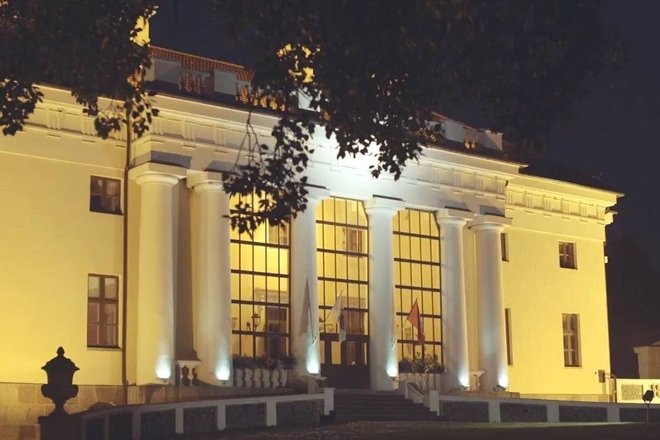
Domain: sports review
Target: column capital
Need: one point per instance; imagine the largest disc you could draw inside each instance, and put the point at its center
(204, 181)
(316, 193)
(383, 205)
(453, 216)
(490, 222)
(156, 173)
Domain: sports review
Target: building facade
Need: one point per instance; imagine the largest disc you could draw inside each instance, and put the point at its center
(502, 269)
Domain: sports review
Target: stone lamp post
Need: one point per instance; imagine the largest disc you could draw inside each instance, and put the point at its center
(60, 386)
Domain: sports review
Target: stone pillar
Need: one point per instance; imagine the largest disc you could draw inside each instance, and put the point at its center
(383, 361)
(492, 332)
(305, 345)
(211, 277)
(454, 310)
(155, 291)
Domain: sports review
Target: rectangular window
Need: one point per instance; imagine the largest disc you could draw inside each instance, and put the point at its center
(102, 310)
(507, 327)
(353, 240)
(276, 326)
(278, 235)
(571, 340)
(259, 288)
(104, 195)
(505, 246)
(567, 255)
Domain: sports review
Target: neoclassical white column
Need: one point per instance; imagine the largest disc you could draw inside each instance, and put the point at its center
(383, 361)
(454, 310)
(211, 277)
(305, 345)
(492, 333)
(155, 291)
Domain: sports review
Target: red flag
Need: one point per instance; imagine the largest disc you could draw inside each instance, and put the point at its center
(415, 319)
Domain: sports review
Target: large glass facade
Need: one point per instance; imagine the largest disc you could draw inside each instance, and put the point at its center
(417, 279)
(260, 310)
(343, 271)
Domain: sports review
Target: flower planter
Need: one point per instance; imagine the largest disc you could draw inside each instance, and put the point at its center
(249, 382)
(284, 377)
(275, 378)
(425, 381)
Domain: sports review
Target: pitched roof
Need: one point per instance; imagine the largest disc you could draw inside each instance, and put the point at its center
(201, 64)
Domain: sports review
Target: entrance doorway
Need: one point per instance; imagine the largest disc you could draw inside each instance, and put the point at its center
(345, 364)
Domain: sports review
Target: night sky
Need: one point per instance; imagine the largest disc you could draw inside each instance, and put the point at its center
(613, 134)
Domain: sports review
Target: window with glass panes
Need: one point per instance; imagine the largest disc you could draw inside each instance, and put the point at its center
(571, 340)
(343, 270)
(417, 278)
(105, 195)
(102, 310)
(260, 291)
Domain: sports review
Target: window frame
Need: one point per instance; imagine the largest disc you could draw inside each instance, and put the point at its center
(504, 246)
(251, 294)
(102, 301)
(278, 234)
(425, 286)
(509, 339)
(103, 197)
(567, 255)
(353, 241)
(571, 340)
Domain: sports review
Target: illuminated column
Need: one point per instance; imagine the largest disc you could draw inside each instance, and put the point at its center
(211, 277)
(305, 344)
(155, 292)
(454, 311)
(383, 362)
(492, 336)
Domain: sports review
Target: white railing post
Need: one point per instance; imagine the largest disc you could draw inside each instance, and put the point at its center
(178, 420)
(221, 415)
(106, 427)
(494, 411)
(613, 414)
(271, 412)
(136, 423)
(328, 400)
(433, 403)
(553, 413)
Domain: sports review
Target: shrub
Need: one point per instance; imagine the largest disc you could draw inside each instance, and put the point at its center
(242, 361)
(428, 364)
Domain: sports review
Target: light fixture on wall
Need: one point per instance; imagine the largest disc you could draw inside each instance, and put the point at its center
(256, 320)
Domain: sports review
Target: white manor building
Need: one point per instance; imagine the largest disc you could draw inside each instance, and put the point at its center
(506, 267)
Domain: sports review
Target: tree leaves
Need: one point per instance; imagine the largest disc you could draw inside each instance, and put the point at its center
(374, 70)
(381, 67)
(90, 47)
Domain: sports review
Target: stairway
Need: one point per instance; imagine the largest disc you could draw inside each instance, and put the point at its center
(352, 405)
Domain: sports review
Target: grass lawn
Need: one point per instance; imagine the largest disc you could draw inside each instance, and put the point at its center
(446, 431)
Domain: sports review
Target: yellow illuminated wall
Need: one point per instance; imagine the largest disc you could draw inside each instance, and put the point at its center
(538, 292)
(50, 243)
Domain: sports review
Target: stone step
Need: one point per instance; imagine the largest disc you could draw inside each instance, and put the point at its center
(378, 406)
